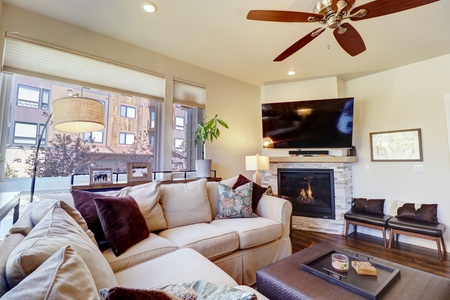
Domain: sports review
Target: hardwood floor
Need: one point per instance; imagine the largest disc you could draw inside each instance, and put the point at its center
(421, 258)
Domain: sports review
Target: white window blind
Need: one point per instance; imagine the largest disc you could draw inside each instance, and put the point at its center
(189, 94)
(27, 57)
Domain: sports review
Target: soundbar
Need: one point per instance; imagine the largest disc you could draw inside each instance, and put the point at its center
(309, 152)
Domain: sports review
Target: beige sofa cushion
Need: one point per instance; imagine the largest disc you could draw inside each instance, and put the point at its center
(149, 248)
(62, 276)
(10, 241)
(209, 240)
(185, 203)
(148, 197)
(180, 266)
(252, 231)
(55, 230)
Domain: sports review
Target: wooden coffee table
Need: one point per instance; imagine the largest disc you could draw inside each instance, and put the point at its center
(285, 280)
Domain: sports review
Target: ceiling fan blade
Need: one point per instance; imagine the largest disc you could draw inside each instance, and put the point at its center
(349, 39)
(385, 7)
(300, 44)
(350, 3)
(282, 16)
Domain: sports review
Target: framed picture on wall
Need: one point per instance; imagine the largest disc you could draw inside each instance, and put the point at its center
(139, 171)
(398, 145)
(100, 175)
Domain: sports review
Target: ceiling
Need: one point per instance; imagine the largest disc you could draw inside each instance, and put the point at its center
(218, 37)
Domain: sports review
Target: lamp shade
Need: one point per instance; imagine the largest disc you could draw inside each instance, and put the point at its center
(256, 162)
(78, 114)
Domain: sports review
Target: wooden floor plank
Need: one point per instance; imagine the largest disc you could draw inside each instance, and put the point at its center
(421, 258)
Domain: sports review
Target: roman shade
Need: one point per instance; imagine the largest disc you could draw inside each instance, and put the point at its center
(26, 56)
(189, 94)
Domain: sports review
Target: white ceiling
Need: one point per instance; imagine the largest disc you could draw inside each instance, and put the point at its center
(217, 36)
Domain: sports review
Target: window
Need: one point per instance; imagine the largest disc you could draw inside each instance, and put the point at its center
(178, 143)
(25, 133)
(126, 138)
(184, 150)
(63, 154)
(94, 137)
(179, 123)
(128, 111)
(45, 99)
(32, 97)
(152, 119)
(28, 96)
(188, 111)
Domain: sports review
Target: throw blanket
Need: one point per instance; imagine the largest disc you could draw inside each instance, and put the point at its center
(195, 290)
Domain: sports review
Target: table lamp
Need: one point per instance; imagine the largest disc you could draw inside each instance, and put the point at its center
(256, 163)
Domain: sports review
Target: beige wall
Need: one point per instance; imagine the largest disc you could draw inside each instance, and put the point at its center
(236, 102)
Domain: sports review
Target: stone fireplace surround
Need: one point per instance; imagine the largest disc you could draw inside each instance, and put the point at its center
(343, 188)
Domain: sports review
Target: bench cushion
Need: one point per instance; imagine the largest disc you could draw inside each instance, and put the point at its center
(373, 219)
(425, 228)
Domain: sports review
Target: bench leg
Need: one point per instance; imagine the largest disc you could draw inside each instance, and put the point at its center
(346, 228)
(384, 237)
(438, 242)
(391, 236)
(443, 245)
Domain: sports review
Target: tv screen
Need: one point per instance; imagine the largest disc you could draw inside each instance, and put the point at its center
(318, 124)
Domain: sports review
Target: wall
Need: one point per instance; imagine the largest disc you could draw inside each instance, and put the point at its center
(236, 102)
(408, 97)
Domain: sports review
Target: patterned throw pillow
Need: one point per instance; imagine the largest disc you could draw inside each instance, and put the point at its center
(235, 203)
(257, 192)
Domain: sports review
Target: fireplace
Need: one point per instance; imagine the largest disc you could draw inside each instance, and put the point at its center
(311, 191)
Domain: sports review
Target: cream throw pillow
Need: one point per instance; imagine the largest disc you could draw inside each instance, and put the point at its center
(55, 230)
(62, 276)
(147, 197)
(10, 241)
(185, 203)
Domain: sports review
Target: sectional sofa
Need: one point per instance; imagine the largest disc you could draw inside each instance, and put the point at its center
(152, 236)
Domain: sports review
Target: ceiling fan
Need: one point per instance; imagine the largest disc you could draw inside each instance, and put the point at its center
(332, 14)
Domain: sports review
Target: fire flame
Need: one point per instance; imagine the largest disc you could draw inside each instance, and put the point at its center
(306, 195)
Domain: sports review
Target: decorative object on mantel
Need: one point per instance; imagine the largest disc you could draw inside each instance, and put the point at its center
(100, 175)
(207, 131)
(257, 163)
(398, 145)
(139, 171)
(71, 114)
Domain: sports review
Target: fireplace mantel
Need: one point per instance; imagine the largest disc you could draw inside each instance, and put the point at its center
(314, 159)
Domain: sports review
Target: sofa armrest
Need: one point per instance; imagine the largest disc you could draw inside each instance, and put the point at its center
(277, 209)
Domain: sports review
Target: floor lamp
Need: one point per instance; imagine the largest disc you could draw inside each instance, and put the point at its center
(256, 163)
(74, 115)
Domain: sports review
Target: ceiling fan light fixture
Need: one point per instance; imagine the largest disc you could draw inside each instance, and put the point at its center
(149, 7)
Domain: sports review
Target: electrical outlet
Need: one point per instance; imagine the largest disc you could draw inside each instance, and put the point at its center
(418, 169)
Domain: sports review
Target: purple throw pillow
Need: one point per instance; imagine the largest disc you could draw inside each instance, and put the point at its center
(84, 203)
(122, 222)
(258, 191)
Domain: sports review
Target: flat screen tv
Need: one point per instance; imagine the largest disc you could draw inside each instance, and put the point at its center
(309, 124)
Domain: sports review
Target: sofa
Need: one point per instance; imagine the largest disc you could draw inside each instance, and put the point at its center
(156, 236)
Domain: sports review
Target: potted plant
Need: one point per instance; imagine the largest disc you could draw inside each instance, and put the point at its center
(207, 131)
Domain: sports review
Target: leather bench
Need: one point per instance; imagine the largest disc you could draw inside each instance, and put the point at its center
(420, 229)
(374, 221)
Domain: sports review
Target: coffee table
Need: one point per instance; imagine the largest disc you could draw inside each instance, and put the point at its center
(285, 280)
